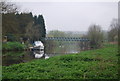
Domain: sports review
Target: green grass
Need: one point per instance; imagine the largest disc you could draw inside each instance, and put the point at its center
(16, 46)
(92, 64)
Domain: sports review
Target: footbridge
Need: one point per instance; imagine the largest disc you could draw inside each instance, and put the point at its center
(63, 44)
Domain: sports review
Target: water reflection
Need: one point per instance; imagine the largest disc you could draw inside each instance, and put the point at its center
(38, 54)
(9, 58)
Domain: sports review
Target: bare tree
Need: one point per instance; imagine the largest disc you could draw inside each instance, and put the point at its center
(113, 31)
(95, 35)
(8, 7)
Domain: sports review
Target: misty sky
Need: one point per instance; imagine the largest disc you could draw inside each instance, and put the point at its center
(73, 16)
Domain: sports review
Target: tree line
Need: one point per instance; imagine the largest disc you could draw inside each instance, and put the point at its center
(97, 36)
(18, 26)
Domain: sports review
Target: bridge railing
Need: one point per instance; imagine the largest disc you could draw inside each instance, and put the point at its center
(66, 39)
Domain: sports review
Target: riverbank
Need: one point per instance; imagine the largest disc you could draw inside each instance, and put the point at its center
(92, 64)
(13, 46)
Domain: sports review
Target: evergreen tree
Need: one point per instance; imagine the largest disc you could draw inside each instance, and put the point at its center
(41, 22)
(35, 20)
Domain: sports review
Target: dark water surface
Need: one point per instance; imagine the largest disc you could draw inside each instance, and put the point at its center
(9, 58)
(16, 57)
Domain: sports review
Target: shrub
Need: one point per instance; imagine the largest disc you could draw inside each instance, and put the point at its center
(13, 46)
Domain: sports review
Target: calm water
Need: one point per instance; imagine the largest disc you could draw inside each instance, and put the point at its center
(9, 58)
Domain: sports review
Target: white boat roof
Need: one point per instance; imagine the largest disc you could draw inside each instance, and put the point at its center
(38, 43)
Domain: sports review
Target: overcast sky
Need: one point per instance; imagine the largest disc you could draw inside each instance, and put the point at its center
(73, 16)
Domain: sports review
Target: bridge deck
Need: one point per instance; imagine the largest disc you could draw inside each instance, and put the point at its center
(66, 39)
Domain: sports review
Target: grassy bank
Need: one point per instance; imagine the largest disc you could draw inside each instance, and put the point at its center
(12, 46)
(92, 64)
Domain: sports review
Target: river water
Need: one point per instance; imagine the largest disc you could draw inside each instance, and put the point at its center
(16, 57)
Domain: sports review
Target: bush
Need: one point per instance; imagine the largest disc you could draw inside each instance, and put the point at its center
(13, 46)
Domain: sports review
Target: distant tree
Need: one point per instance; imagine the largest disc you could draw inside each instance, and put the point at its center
(56, 33)
(95, 35)
(113, 31)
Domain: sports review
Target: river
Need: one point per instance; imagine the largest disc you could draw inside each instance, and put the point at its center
(16, 57)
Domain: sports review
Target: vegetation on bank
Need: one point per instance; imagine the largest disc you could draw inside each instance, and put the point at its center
(13, 46)
(92, 64)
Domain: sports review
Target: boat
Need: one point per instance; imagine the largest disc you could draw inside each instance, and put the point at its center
(38, 49)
